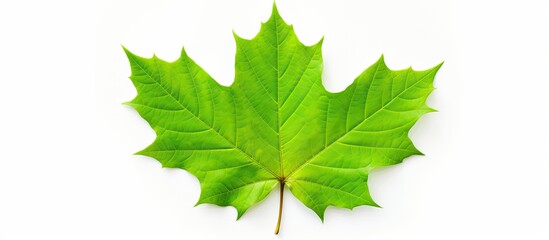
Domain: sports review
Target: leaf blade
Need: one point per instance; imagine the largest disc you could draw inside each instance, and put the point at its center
(277, 123)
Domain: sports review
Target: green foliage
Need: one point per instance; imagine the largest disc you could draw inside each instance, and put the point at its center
(276, 124)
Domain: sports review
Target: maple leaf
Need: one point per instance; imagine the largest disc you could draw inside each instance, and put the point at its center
(277, 124)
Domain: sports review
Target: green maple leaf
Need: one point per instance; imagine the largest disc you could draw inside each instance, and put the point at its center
(277, 124)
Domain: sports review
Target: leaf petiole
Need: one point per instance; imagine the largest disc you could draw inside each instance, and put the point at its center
(282, 182)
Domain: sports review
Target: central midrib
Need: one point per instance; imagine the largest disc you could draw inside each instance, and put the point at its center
(282, 177)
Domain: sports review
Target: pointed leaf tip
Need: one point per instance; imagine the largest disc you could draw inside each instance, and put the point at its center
(321, 41)
(235, 35)
(274, 9)
(239, 214)
(183, 52)
(381, 61)
(128, 53)
(275, 15)
(439, 65)
(320, 213)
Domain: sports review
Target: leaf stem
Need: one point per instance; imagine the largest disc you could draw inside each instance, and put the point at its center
(282, 182)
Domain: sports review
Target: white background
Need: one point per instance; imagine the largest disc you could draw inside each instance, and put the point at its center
(66, 143)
